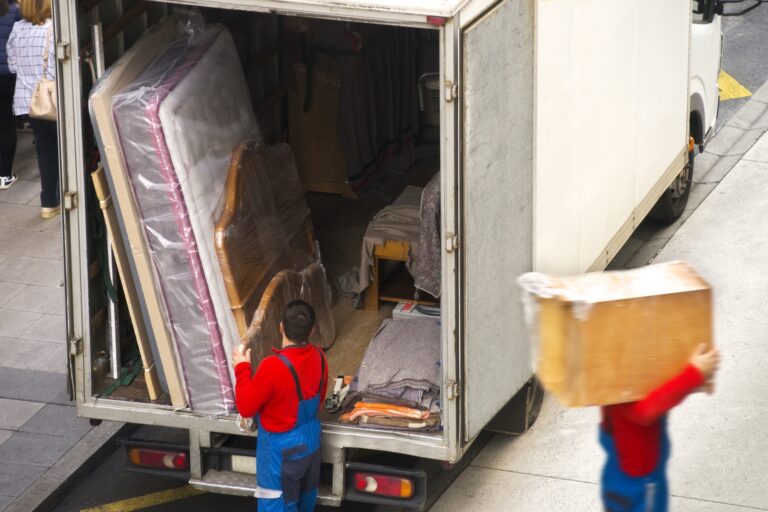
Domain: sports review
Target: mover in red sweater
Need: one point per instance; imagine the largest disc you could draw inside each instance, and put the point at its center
(285, 394)
(634, 435)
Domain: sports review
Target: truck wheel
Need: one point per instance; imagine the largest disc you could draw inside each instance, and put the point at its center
(521, 411)
(671, 204)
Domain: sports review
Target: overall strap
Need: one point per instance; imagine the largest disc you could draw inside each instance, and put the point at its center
(295, 375)
(322, 370)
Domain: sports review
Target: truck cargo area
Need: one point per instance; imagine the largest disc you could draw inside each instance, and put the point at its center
(295, 69)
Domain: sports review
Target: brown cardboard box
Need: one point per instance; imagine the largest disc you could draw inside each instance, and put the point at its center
(612, 337)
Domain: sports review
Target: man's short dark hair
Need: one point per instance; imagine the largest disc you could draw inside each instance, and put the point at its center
(298, 321)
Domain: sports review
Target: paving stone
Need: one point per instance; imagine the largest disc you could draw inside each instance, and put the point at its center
(37, 244)
(699, 192)
(753, 115)
(57, 420)
(4, 501)
(759, 151)
(47, 328)
(22, 216)
(17, 412)
(761, 94)
(22, 192)
(30, 270)
(4, 435)
(34, 386)
(15, 477)
(16, 322)
(37, 299)
(733, 141)
(716, 172)
(27, 169)
(38, 449)
(9, 290)
(33, 355)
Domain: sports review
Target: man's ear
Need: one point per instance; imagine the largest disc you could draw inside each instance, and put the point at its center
(282, 330)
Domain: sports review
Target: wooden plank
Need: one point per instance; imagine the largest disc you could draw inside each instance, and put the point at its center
(118, 26)
(129, 286)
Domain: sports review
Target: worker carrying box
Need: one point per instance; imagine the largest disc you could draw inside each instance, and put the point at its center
(636, 343)
(612, 337)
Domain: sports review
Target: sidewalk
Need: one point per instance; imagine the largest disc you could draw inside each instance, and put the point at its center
(38, 424)
(719, 442)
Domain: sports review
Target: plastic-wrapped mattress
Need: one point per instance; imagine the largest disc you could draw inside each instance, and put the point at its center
(178, 124)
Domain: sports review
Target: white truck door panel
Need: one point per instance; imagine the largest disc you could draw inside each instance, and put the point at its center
(496, 206)
(611, 119)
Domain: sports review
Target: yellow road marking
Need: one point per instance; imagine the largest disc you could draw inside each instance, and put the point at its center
(730, 89)
(148, 500)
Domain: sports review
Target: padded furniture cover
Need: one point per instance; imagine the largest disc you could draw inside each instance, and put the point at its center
(178, 124)
(310, 285)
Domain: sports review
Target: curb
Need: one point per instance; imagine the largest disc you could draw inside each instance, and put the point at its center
(81, 459)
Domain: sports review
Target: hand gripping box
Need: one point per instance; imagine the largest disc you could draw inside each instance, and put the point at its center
(612, 337)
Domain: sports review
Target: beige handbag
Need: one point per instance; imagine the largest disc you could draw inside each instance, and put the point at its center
(43, 103)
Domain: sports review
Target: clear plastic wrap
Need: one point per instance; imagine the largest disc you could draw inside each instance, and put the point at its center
(612, 337)
(264, 226)
(178, 124)
(310, 285)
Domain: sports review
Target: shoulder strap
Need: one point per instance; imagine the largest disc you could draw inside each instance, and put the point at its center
(48, 36)
(322, 370)
(295, 375)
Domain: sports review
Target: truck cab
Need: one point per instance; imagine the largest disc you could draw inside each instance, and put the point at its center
(704, 68)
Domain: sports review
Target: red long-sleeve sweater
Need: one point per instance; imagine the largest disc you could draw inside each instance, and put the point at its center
(636, 426)
(271, 392)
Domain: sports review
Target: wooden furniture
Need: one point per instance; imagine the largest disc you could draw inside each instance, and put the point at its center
(264, 226)
(314, 133)
(398, 286)
(310, 285)
(129, 286)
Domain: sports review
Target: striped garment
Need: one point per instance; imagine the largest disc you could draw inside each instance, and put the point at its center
(25, 58)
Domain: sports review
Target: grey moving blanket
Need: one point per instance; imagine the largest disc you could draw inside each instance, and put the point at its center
(403, 361)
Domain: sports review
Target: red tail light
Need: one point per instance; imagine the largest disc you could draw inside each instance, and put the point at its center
(384, 485)
(159, 459)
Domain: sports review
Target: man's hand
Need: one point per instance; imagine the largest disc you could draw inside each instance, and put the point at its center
(707, 361)
(238, 356)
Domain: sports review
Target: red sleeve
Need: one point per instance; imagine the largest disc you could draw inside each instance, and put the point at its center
(251, 393)
(665, 397)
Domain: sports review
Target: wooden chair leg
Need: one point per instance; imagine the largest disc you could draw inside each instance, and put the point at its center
(372, 292)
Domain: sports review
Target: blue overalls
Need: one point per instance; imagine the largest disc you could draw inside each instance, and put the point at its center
(624, 493)
(288, 463)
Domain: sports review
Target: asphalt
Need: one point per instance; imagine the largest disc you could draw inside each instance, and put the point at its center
(745, 39)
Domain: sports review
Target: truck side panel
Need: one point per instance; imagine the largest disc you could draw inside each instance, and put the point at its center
(611, 120)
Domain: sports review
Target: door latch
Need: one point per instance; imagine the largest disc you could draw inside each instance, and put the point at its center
(451, 90)
(453, 390)
(451, 242)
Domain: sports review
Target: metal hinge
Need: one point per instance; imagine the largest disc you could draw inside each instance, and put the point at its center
(451, 91)
(451, 242)
(75, 346)
(63, 51)
(70, 200)
(453, 390)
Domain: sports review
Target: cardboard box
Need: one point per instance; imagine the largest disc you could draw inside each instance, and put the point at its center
(613, 337)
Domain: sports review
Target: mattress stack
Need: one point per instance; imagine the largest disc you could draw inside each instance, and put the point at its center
(174, 125)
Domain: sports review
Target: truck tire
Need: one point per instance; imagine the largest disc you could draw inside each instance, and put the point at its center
(521, 412)
(671, 204)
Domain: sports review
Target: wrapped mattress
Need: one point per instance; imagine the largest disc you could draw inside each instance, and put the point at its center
(178, 124)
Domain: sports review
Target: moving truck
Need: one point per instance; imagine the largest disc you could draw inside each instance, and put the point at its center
(561, 124)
